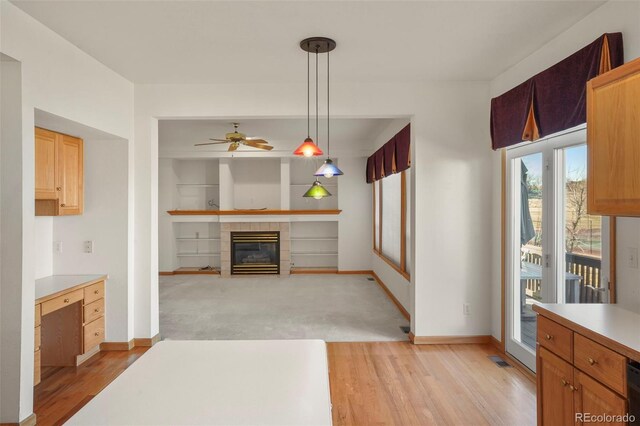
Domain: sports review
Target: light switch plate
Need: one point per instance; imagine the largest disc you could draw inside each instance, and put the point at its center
(57, 246)
(88, 246)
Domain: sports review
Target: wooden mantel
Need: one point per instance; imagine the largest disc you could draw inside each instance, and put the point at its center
(249, 212)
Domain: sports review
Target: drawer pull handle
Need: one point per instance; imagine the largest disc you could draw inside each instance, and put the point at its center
(564, 382)
(66, 300)
(573, 388)
(59, 188)
(96, 334)
(96, 292)
(96, 310)
(548, 336)
(62, 205)
(592, 361)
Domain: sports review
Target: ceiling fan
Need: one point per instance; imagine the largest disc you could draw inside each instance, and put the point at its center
(236, 139)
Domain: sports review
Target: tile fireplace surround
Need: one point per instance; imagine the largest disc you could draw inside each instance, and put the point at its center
(226, 228)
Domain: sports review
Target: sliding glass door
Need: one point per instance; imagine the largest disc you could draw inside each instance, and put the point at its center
(556, 252)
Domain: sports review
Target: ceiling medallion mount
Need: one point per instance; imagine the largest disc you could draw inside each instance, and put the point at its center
(317, 44)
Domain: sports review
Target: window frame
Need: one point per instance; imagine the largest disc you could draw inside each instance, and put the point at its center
(377, 233)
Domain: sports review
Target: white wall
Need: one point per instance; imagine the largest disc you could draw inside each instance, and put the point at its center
(355, 221)
(451, 163)
(14, 368)
(256, 183)
(104, 221)
(58, 78)
(43, 245)
(613, 16)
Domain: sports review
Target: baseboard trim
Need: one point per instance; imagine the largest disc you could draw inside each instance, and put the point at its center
(403, 311)
(145, 341)
(497, 344)
(166, 273)
(117, 346)
(313, 271)
(362, 272)
(29, 421)
(450, 340)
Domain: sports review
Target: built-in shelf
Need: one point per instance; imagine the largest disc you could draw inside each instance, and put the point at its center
(250, 212)
(198, 254)
(315, 239)
(314, 253)
(308, 185)
(197, 239)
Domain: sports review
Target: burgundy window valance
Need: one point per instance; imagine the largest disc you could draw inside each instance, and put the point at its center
(555, 99)
(393, 157)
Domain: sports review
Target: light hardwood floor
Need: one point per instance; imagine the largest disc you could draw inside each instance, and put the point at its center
(384, 383)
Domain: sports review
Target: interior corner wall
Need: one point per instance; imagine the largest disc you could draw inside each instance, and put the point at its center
(43, 241)
(613, 16)
(14, 296)
(355, 221)
(74, 86)
(166, 239)
(104, 222)
(452, 162)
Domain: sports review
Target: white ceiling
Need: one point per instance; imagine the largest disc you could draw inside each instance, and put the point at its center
(348, 136)
(254, 42)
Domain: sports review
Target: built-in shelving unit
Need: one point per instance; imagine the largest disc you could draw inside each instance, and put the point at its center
(314, 245)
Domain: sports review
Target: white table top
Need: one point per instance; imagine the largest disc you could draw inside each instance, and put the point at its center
(608, 324)
(216, 382)
(54, 284)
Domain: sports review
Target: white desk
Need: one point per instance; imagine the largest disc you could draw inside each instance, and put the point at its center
(257, 382)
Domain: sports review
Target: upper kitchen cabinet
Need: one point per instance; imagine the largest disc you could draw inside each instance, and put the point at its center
(59, 180)
(613, 139)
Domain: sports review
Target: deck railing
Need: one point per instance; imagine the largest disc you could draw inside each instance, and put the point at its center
(587, 267)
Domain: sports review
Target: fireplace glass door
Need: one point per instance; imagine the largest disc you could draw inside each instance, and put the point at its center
(255, 253)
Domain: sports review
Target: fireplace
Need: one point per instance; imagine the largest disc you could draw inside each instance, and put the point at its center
(255, 253)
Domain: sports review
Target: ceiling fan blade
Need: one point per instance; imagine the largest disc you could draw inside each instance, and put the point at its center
(233, 147)
(219, 140)
(256, 140)
(210, 143)
(258, 145)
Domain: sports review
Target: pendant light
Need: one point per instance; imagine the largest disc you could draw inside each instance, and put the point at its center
(317, 191)
(328, 169)
(308, 148)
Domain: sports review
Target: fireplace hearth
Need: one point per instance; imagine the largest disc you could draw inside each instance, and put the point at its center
(255, 253)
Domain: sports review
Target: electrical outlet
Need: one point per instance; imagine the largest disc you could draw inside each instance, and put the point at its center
(88, 246)
(57, 246)
(466, 308)
(632, 257)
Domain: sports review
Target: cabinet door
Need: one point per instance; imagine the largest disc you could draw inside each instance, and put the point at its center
(555, 397)
(47, 186)
(595, 399)
(613, 139)
(71, 174)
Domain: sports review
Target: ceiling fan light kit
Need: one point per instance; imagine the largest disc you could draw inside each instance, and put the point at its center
(235, 139)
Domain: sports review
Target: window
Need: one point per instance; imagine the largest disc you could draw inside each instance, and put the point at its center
(390, 222)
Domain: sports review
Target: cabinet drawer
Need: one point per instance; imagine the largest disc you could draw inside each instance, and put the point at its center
(61, 301)
(36, 367)
(93, 334)
(38, 316)
(556, 338)
(93, 310)
(93, 292)
(601, 363)
(36, 338)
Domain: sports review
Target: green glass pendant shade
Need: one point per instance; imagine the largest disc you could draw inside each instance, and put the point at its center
(317, 191)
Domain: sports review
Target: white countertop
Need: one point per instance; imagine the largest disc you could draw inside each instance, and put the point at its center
(613, 326)
(218, 382)
(54, 284)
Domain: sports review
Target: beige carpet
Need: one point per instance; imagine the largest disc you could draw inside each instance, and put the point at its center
(335, 308)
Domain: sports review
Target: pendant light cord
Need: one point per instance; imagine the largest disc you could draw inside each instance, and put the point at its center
(308, 95)
(317, 135)
(328, 120)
